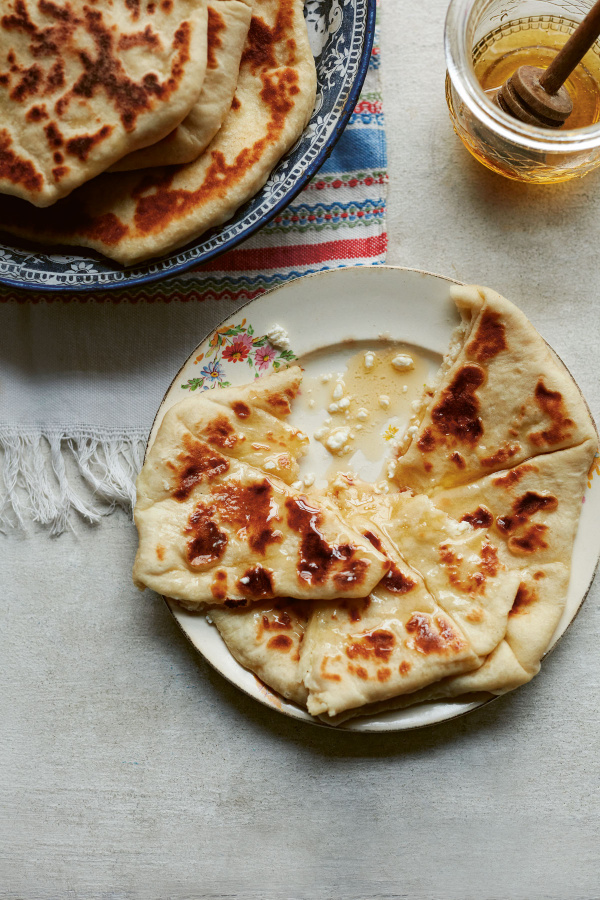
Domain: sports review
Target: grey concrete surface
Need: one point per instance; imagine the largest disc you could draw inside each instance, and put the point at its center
(130, 770)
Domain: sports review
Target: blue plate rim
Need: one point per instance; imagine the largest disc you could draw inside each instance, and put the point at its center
(311, 170)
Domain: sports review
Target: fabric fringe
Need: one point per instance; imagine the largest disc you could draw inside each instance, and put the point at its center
(51, 474)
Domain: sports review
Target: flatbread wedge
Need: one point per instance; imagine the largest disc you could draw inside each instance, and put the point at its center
(228, 23)
(501, 399)
(83, 84)
(133, 216)
(266, 638)
(217, 522)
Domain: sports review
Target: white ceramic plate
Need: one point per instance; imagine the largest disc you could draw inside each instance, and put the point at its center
(325, 316)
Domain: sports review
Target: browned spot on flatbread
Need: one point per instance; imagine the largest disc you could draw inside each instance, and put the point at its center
(397, 582)
(472, 582)
(479, 518)
(429, 639)
(53, 135)
(539, 575)
(490, 338)
(502, 455)
(256, 583)
(328, 676)
(160, 552)
(317, 557)
(475, 614)
(524, 507)
(253, 510)
(359, 671)
(59, 172)
(514, 475)
(530, 542)
(356, 608)
(134, 8)
(458, 460)
(524, 598)
(145, 38)
(106, 73)
(218, 587)
(384, 674)
(29, 84)
(394, 580)
(15, 169)
(552, 404)
(235, 604)
(82, 145)
(36, 114)
(457, 413)
(235, 103)
(196, 463)
(242, 411)
(216, 24)
(219, 431)
(378, 644)
(280, 642)
(404, 667)
(207, 542)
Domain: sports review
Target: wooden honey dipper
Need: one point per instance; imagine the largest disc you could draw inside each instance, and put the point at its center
(538, 96)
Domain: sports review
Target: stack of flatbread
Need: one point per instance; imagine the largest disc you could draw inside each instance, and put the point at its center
(188, 103)
(357, 599)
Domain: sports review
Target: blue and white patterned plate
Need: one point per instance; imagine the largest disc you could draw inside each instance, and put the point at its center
(341, 37)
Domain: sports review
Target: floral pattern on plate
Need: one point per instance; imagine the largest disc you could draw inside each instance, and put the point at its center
(232, 344)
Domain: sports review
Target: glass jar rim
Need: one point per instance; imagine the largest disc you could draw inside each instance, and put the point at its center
(462, 75)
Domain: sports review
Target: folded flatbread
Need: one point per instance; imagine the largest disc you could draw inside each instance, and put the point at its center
(502, 398)
(228, 23)
(83, 84)
(132, 216)
(217, 521)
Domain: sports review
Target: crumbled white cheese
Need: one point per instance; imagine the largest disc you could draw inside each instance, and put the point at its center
(309, 479)
(404, 388)
(333, 408)
(358, 427)
(311, 404)
(385, 488)
(338, 391)
(412, 429)
(403, 363)
(363, 414)
(326, 378)
(297, 485)
(245, 580)
(344, 403)
(320, 433)
(270, 465)
(337, 439)
(384, 401)
(415, 405)
(328, 421)
(301, 436)
(279, 337)
(369, 360)
(391, 468)
(209, 620)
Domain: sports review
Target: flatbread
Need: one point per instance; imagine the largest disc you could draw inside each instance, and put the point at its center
(214, 527)
(228, 24)
(81, 85)
(503, 398)
(266, 639)
(532, 512)
(461, 565)
(131, 217)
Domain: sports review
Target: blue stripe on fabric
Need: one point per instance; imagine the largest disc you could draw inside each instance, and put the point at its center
(357, 150)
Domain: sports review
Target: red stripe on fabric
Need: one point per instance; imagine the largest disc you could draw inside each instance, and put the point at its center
(297, 255)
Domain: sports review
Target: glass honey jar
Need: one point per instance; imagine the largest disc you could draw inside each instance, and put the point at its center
(485, 42)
